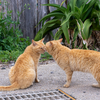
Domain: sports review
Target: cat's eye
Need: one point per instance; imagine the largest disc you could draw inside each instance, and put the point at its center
(41, 48)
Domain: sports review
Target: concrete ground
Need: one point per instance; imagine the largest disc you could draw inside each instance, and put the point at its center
(52, 77)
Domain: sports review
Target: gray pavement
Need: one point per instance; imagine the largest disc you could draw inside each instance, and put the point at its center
(52, 77)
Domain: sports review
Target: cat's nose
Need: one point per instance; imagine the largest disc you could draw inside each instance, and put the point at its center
(45, 50)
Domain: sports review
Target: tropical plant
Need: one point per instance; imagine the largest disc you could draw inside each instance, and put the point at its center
(83, 29)
(82, 16)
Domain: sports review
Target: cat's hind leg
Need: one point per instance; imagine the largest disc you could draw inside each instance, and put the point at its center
(96, 85)
(36, 79)
(27, 78)
(69, 73)
(97, 77)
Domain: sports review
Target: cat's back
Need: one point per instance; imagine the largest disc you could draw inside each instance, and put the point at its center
(78, 54)
(85, 53)
(80, 59)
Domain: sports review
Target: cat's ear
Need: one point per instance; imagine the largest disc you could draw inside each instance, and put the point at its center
(50, 43)
(34, 43)
(42, 40)
(60, 40)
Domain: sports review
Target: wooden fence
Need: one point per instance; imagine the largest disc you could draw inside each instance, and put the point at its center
(30, 18)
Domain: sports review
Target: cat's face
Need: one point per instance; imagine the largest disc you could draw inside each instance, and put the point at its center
(39, 46)
(51, 45)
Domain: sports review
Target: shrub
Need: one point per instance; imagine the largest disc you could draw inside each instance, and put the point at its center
(6, 56)
(11, 37)
(12, 43)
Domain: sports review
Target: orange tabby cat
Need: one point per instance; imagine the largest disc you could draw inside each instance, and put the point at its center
(75, 60)
(24, 72)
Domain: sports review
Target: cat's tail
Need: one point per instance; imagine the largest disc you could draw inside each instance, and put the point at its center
(13, 86)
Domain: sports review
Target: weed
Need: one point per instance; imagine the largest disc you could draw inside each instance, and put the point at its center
(12, 43)
(11, 37)
(6, 56)
(45, 57)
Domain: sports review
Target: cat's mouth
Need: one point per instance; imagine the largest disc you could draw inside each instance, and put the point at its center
(44, 50)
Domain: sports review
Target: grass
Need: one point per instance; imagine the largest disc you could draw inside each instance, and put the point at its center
(7, 56)
(45, 57)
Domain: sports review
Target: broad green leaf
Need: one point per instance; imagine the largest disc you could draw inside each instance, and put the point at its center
(86, 28)
(61, 8)
(95, 13)
(88, 6)
(83, 35)
(50, 25)
(67, 18)
(46, 28)
(65, 30)
(96, 19)
(80, 28)
(69, 15)
(58, 34)
(79, 25)
(80, 3)
(68, 8)
(51, 33)
(78, 10)
(97, 5)
(86, 9)
(73, 4)
(85, 15)
(52, 14)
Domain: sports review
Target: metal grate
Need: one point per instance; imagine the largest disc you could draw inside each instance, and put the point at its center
(41, 95)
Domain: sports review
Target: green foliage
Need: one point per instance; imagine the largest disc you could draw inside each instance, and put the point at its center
(45, 56)
(50, 25)
(84, 28)
(6, 56)
(10, 34)
(12, 43)
(84, 12)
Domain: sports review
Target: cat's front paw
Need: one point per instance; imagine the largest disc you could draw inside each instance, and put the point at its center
(66, 85)
(96, 85)
(37, 80)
